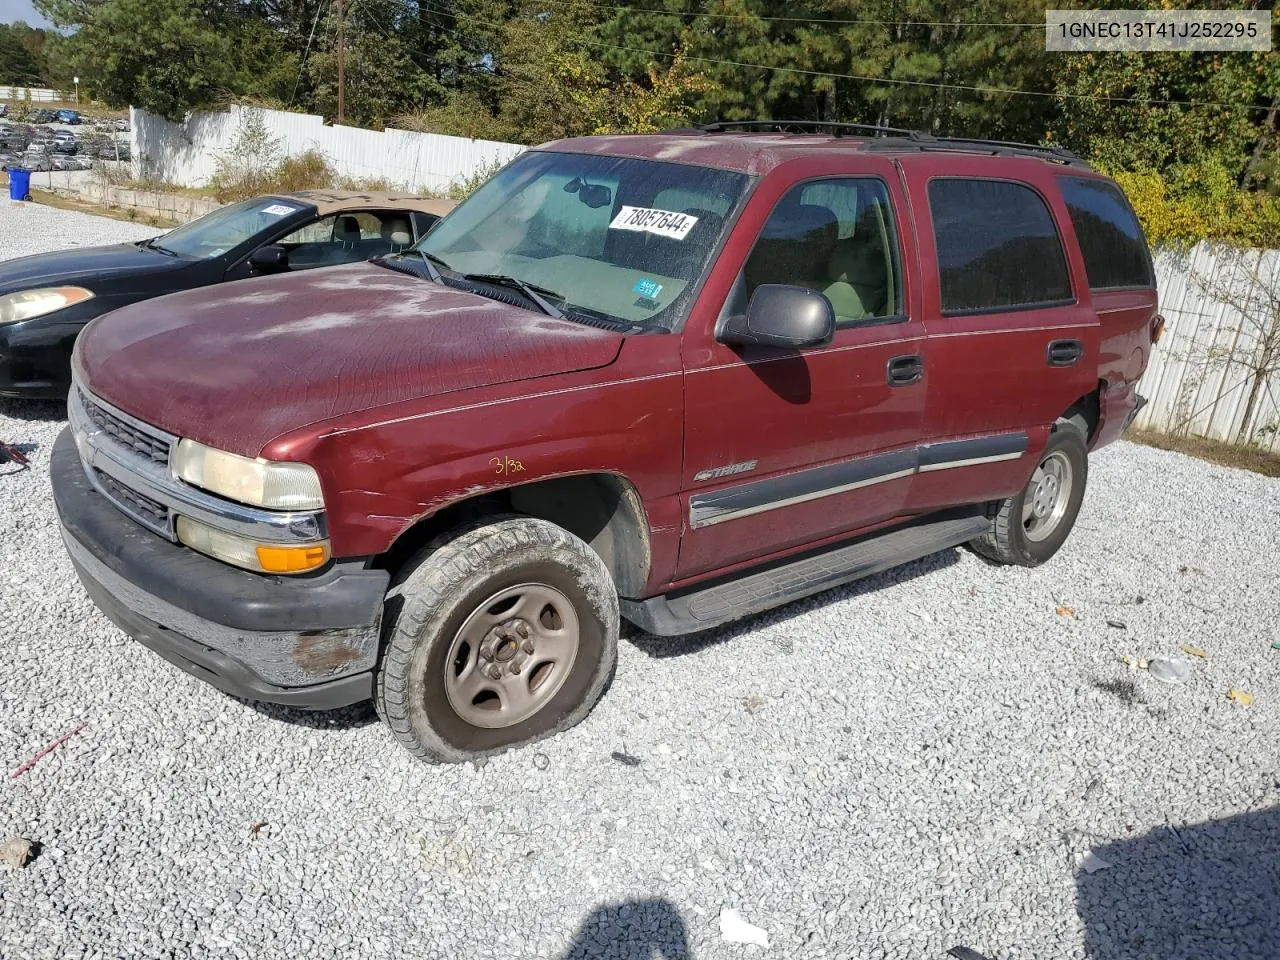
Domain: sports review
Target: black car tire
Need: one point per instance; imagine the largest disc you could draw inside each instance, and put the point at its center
(431, 607)
(1010, 539)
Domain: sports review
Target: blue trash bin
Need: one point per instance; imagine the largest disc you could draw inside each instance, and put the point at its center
(19, 184)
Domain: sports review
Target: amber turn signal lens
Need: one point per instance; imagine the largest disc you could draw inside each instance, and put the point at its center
(1157, 329)
(292, 559)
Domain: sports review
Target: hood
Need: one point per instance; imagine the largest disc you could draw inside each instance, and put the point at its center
(238, 365)
(84, 265)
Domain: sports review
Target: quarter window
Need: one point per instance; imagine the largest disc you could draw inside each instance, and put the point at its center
(835, 237)
(998, 248)
(1111, 241)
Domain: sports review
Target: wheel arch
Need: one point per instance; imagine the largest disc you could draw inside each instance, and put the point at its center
(603, 509)
(1085, 412)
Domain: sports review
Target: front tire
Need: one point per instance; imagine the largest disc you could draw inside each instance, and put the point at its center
(1031, 526)
(498, 635)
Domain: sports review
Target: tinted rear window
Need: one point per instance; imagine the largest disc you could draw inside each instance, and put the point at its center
(1114, 249)
(998, 248)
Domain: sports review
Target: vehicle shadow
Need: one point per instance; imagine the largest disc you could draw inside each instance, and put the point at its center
(345, 718)
(661, 647)
(633, 930)
(1204, 892)
(33, 411)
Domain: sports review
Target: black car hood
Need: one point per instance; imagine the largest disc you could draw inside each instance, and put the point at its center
(85, 265)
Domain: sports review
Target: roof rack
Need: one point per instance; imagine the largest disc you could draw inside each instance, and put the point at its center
(788, 126)
(1011, 145)
(897, 137)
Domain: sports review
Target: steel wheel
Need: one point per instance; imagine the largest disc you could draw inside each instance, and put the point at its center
(511, 655)
(1048, 495)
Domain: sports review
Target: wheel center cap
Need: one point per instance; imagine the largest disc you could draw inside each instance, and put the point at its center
(505, 650)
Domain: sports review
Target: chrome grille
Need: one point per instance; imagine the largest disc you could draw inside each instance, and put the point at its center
(127, 461)
(143, 509)
(155, 449)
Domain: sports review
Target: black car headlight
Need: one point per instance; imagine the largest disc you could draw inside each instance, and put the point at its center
(26, 304)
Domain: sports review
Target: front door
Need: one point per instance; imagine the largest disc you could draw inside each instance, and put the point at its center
(783, 449)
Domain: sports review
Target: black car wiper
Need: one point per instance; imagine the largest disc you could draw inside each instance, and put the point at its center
(534, 292)
(152, 245)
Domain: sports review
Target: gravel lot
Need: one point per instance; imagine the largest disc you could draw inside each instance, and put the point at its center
(885, 771)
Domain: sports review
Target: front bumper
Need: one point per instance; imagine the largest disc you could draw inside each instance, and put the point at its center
(35, 359)
(309, 641)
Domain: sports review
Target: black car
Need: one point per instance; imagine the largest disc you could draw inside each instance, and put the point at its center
(45, 300)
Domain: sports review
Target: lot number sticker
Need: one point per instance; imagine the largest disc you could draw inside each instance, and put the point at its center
(278, 210)
(664, 223)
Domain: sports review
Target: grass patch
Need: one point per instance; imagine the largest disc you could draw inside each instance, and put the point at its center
(1216, 451)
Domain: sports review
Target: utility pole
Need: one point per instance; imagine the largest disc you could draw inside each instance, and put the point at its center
(342, 63)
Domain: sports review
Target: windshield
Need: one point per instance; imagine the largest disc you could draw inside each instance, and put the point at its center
(219, 231)
(620, 237)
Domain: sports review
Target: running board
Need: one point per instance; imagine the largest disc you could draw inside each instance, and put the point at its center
(701, 609)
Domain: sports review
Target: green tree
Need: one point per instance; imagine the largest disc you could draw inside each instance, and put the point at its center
(21, 63)
(167, 56)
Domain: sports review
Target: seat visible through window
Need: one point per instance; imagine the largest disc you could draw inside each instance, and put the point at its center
(849, 256)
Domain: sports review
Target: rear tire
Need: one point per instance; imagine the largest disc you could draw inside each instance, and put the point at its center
(1031, 526)
(498, 635)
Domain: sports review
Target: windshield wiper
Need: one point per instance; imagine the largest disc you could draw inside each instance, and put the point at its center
(534, 292)
(152, 245)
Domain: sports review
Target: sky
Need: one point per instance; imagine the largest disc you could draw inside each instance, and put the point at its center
(11, 10)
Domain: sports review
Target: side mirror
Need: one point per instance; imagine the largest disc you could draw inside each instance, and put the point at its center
(269, 259)
(782, 316)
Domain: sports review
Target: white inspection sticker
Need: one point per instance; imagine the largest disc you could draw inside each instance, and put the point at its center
(279, 210)
(664, 223)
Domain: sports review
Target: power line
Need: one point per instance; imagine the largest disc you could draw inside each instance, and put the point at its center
(307, 51)
(835, 21)
(978, 88)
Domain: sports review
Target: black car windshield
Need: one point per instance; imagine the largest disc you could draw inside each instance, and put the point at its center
(227, 227)
(619, 237)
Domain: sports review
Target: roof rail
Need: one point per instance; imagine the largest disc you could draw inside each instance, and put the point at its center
(913, 138)
(787, 126)
(1011, 145)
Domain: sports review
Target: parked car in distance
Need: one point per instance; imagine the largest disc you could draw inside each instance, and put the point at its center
(46, 299)
(8, 160)
(67, 116)
(37, 161)
(675, 378)
(65, 144)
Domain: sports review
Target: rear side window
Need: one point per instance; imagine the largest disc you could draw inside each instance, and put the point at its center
(1114, 249)
(998, 248)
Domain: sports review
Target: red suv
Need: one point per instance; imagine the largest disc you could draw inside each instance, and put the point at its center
(677, 379)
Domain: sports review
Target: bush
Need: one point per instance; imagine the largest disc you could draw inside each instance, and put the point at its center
(255, 164)
(1195, 202)
(307, 171)
(462, 187)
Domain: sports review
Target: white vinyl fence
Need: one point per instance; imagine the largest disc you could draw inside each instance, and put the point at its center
(1198, 381)
(187, 153)
(30, 94)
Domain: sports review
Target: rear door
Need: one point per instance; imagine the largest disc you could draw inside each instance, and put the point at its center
(784, 449)
(1011, 337)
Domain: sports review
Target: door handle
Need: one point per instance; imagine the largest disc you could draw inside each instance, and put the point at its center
(1063, 353)
(904, 371)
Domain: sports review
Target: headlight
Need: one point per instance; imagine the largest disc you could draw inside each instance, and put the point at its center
(26, 304)
(241, 552)
(262, 483)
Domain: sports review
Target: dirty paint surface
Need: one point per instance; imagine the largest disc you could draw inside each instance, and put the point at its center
(277, 353)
